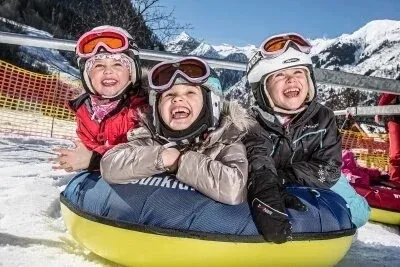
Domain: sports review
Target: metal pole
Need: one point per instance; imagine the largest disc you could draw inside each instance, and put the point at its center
(370, 111)
(331, 77)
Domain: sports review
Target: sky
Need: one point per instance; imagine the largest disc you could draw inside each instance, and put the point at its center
(243, 22)
(32, 231)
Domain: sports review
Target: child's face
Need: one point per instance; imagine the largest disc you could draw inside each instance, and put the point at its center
(109, 76)
(288, 88)
(180, 106)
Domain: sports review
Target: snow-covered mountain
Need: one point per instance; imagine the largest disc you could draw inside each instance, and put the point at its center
(372, 50)
(182, 44)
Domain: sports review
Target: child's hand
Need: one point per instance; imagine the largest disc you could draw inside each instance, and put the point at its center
(72, 159)
(170, 157)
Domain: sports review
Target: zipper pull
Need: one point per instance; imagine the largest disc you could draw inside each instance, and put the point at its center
(287, 130)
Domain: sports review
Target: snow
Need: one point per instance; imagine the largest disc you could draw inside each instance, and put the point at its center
(182, 37)
(32, 232)
(226, 49)
(205, 50)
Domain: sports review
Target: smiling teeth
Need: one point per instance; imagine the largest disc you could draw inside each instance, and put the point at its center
(291, 90)
(180, 109)
(109, 82)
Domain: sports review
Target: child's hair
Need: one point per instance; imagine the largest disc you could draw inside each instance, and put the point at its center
(108, 42)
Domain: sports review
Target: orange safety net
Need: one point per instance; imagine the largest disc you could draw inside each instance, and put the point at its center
(371, 150)
(35, 104)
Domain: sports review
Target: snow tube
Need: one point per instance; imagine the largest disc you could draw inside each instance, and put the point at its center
(384, 202)
(159, 221)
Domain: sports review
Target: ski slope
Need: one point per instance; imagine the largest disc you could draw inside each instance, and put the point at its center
(32, 232)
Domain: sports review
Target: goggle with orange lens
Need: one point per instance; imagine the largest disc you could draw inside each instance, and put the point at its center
(163, 75)
(89, 43)
(277, 44)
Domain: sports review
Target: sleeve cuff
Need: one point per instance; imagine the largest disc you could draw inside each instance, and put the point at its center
(94, 164)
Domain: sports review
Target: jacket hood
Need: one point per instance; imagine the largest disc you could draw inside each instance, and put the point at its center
(235, 123)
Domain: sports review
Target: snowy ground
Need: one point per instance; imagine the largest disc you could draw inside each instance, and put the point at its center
(32, 232)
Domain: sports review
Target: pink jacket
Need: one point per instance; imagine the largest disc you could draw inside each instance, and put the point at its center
(355, 173)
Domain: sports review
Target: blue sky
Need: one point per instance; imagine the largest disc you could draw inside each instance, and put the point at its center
(242, 22)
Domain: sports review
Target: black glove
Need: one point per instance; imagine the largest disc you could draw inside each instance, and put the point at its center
(268, 202)
(292, 202)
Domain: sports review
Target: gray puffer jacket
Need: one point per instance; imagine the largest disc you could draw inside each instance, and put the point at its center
(218, 168)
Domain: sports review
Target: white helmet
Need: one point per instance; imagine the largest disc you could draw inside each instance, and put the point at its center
(260, 68)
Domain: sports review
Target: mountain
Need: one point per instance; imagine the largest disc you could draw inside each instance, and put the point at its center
(372, 50)
(182, 44)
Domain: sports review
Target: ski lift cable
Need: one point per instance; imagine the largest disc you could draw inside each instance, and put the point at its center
(331, 77)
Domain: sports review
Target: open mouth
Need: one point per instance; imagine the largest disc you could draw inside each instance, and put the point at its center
(292, 92)
(180, 113)
(109, 82)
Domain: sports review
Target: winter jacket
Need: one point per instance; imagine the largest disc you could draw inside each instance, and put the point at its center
(307, 152)
(357, 174)
(218, 168)
(389, 99)
(102, 136)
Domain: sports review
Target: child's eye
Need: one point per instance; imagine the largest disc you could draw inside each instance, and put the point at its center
(279, 75)
(99, 66)
(117, 64)
(297, 72)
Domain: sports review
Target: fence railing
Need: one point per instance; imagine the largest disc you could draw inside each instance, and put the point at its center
(35, 104)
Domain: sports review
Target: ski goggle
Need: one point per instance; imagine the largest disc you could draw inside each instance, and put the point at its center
(163, 75)
(89, 43)
(277, 44)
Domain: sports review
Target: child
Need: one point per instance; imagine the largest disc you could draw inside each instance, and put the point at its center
(109, 63)
(297, 140)
(192, 134)
(393, 129)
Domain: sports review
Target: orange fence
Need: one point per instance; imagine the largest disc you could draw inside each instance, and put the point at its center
(35, 104)
(370, 150)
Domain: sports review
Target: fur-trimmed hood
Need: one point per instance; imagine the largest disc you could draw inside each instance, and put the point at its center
(234, 124)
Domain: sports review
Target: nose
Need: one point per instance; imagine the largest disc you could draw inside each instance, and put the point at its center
(177, 98)
(291, 79)
(108, 70)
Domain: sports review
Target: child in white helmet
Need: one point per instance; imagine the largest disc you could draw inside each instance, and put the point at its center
(109, 63)
(297, 141)
(191, 134)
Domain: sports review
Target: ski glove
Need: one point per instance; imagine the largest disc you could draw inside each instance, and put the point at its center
(268, 202)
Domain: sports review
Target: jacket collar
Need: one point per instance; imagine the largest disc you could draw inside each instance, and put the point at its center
(269, 120)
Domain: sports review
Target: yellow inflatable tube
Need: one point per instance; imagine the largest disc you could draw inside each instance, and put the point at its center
(144, 248)
(385, 216)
